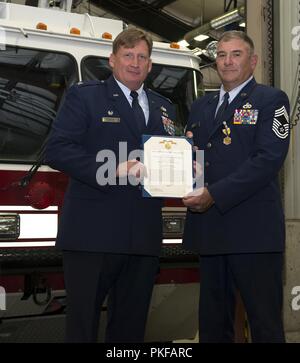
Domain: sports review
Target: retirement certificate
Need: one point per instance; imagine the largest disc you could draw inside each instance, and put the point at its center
(169, 166)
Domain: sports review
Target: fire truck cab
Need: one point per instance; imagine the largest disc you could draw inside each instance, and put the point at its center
(42, 53)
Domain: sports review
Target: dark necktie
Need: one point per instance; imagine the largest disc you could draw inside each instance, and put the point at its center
(138, 111)
(222, 108)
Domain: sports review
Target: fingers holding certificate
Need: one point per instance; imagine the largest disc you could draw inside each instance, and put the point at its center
(169, 165)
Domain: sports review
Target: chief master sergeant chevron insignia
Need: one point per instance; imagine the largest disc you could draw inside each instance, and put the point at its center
(281, 123)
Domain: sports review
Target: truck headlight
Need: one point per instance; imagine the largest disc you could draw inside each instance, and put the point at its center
(9, 226)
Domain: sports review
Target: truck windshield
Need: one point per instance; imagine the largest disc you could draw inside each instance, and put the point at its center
(32, 85)
(180, 85)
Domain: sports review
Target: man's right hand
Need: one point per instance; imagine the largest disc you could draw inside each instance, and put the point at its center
(132, 168)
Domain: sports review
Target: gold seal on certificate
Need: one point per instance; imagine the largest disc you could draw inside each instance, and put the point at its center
(169, 164)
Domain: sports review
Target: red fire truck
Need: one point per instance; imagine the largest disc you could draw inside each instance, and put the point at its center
(44, 52)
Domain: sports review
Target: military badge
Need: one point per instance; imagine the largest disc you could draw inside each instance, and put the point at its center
(110, 118)
(226, 131)
(168, 125)
(281, 123)
(247, 106)
(245, 117)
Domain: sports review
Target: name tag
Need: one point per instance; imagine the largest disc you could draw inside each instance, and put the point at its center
(245, 117)
(111, 119)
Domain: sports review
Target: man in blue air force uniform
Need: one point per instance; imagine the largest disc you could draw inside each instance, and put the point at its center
(236, 222)
(110, 235)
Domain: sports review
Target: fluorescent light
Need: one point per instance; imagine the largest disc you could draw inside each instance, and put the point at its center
(201, 37)
(183, 43)
(226, 19)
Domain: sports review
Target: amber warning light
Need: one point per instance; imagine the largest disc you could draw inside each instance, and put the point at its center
(75, 31)
(107, 35)
(174, 46)
(41, 26)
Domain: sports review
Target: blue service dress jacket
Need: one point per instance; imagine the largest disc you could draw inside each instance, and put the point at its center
(96, 116)
(241, 172)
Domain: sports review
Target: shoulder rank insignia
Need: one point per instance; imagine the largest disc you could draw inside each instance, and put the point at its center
(281, 123)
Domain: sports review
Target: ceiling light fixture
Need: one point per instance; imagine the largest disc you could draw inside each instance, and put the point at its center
(228, 18)
(201, 37)
(183, 43)
(233, 16)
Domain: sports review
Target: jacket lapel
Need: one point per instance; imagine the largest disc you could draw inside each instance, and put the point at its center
(238, 101)
(120, 102)
(154, 113)
(209, 112)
